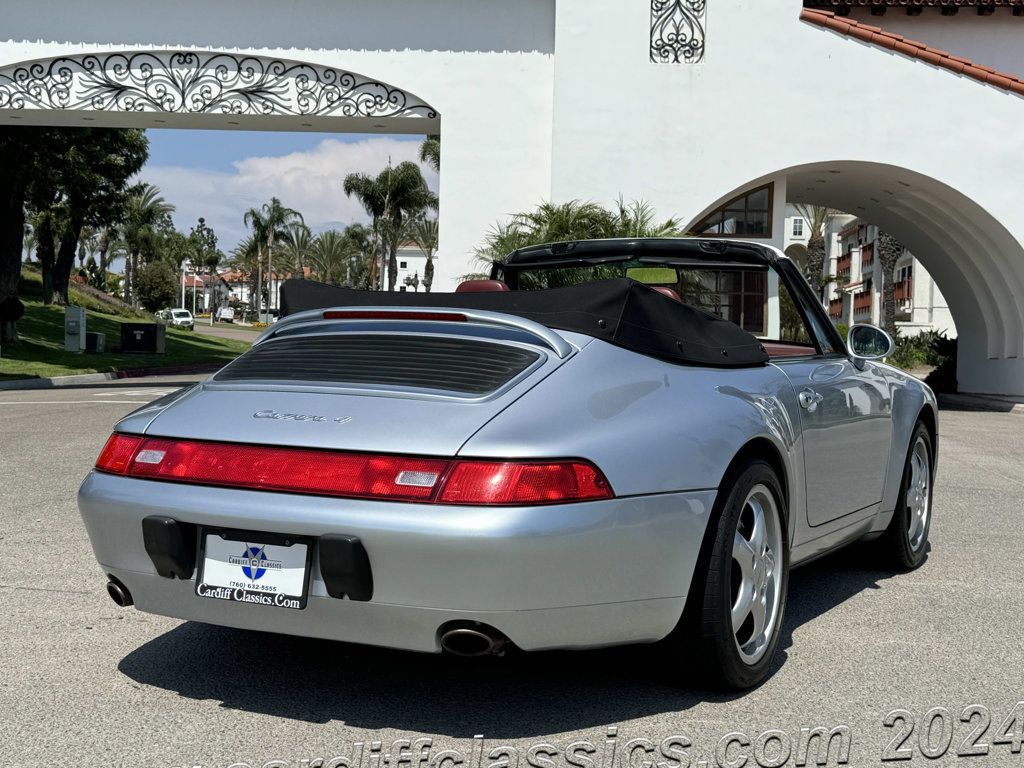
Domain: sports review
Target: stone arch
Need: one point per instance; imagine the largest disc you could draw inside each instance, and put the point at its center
(975, 260)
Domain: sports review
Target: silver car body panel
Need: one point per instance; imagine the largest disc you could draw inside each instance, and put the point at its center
(572, 575)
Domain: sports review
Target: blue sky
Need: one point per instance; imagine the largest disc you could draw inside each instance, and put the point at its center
(220, 174)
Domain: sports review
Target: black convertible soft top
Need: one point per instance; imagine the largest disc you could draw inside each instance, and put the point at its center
(620, 311)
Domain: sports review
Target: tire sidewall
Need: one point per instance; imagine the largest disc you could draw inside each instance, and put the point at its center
(900, 526)
(717, 627)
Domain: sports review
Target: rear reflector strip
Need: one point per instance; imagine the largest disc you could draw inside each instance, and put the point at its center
(353, 475)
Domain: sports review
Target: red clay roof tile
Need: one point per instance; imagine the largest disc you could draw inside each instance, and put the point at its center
(879, 37)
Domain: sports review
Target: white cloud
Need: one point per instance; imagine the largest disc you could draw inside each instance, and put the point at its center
(310, 182)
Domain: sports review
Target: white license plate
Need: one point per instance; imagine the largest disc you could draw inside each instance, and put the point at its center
(249, 568)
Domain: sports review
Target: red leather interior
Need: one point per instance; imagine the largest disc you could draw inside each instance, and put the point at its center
(665, 291)
(779, 349)
(481, 286)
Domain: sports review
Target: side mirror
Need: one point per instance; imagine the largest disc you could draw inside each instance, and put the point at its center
(866, 342)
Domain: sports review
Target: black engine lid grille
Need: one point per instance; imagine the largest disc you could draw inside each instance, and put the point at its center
(462, 366)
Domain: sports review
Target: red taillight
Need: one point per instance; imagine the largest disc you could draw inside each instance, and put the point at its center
(353, 475)
(355, 314)
(117, 453)
(523, 483)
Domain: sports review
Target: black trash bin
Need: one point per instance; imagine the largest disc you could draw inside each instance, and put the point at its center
(143, 337)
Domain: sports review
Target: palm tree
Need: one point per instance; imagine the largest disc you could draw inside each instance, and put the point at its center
(394, 196)
(331, 255)
(145, 209)
(298, 247)
(639, 219)
(815, 217)
(246, 260)
(430, 151)
(270, 224)
(424, 233)
(889, 251)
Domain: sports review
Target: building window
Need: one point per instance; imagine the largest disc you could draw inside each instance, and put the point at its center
(402, 288)
(904, 273)
(749, 215)
(734, 294)
(798, 227)
(403, 264)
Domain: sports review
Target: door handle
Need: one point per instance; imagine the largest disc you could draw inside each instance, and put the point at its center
(809, 400)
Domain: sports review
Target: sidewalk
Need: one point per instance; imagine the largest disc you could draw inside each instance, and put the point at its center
(966, 401)
(97, 378)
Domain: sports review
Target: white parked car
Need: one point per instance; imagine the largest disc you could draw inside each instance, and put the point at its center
(177, 318)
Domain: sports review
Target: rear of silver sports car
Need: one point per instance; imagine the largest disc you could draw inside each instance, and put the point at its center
(351, 478)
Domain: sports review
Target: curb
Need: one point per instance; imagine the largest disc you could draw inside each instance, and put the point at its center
(974, 402)
(98, 378)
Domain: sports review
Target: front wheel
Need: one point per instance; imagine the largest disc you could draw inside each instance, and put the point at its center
(748, 574)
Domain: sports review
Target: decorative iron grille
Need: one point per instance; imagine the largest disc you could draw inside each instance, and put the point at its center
(190, 82)
(678, 31)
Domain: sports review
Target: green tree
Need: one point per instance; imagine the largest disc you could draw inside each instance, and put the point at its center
(299, 244)
(574, 220)
(147, 214)
(331, 256)
(396, 195)
(156, 285)
(246, 259)
(815, 218)
(425, 235)
(82, 182)
(889, 252)
(269, 225)
(430, 151)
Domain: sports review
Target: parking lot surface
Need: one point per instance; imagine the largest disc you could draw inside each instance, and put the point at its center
(87, 683)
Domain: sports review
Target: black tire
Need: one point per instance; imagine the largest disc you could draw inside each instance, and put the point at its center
(717, 644)
(897, 549)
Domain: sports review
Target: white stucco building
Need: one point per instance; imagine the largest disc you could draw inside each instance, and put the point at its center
(854, 278)
(688, 104)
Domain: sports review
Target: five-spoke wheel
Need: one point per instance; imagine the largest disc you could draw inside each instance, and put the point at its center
(756, 574)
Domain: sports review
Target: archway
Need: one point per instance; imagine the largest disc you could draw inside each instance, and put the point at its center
(976, 262)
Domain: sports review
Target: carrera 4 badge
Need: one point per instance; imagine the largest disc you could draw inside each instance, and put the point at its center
(277, 416)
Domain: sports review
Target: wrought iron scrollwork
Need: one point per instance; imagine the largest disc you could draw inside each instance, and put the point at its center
(190, 82)
(677, 31)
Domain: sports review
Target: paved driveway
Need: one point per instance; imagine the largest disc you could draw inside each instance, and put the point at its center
(86, 683)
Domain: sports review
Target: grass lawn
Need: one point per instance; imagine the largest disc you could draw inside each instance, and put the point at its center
(40, 348)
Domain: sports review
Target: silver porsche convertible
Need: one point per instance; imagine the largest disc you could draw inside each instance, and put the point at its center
(608, 442)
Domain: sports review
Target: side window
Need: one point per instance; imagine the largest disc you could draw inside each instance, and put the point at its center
(801, 330)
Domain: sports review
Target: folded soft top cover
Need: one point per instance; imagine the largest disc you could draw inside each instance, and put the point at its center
(620, 311)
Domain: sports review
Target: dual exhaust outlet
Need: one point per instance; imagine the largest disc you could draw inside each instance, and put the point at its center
(464, 639)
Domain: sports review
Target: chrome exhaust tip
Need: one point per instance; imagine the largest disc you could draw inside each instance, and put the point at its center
(119, 593)
(479, 640)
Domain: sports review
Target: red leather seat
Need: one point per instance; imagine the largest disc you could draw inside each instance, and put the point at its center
(666, 291)
(481, 286)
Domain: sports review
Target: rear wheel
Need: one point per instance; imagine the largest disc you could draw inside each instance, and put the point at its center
(905, 542)
(745, 590)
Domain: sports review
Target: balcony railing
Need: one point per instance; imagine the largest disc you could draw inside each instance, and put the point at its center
(843, 265)
(861, 302)
(867, 256)
(905, 290)
(835, 309)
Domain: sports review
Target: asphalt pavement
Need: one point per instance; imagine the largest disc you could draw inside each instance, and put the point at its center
(86, 683)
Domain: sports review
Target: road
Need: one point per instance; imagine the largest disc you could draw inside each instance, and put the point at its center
(228, 331)
(89, 684)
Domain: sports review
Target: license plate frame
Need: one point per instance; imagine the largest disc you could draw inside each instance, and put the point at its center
(255, 597)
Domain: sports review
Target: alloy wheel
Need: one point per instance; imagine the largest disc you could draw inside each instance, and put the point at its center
(757, 563)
